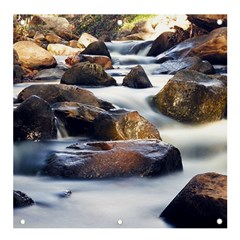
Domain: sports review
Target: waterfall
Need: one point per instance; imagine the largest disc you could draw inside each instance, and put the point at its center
(61, 130)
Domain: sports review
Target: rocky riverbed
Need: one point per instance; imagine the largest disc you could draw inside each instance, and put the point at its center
(123, 128)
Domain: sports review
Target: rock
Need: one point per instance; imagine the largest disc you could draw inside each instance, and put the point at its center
(120, 124)
(104, 61)
(190, 63)
(114, 159)
(167, 40)
(53, 38)
(18, 73)
(211, 47)
(85, 39)
(208, 22)
(53, 93)
(193, 97)
(21, 199)
(39, 37)
(73, 43)
(62, 50)
(143, 26)
(137, 78)
(59, 25)
(97, 48)
(32, 56)
(89, 74)
(34, 120)
(77, 118)
(200, 203)
(49, 74)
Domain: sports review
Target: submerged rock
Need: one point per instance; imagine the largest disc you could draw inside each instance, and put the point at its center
(114, 159)
(53, 93)
(86, 73)
(200, 204)
(34, 120)
(190, 63)
(32, 56)
(77, 118)
(137, 78)
(21, 199)
(121, 124)
(193, 97)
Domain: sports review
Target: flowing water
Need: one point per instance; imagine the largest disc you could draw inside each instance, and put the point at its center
(136, 201)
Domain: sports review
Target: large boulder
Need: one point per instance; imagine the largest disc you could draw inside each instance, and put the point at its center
(120, 124)
(97, 48)
(53, 93)
(208, 21)
(202, 203)
(77, 118)
(21, 199)
(85, 39)
(211, 47)
(61, 50)
(34, 120)
(101, 60)
(137, 78)
(190, 63)
(193, 97)
(32, 56)
(114, 159)
(86, 73)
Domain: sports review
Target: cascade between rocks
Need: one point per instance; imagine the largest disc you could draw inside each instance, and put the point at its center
(137, 201)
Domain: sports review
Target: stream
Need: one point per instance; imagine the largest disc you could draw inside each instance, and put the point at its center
(122, 202)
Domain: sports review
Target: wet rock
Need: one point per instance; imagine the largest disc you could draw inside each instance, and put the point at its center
(97, 48)
(103, 61)
(61, 50)
(21, 199)
(114, 159)
(137, 78)
(208, 22)
(53, 93)
(32, 56)
(34, 120)
(211, 47)
(49, 74)
(77, 118)
(193, 97)
(167, 40)
(122, 124)
(89, 74)
(200, 203)
(190, 63)
(85, 39)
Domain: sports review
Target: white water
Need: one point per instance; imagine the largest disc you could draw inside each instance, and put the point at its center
(138, 202)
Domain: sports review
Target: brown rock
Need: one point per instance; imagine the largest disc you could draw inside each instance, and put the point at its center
(77, 118)
(34, 120)
(103, 61)
(200, 204)
(62, 50)
(53, 93)
(32, 56)
(137, 78)
(193, 97)
(121, 124)
(53, 38)
(208, 22)
(85, 39)
(87, 74)
(114, 159)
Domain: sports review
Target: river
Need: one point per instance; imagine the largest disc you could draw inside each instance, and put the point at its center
(124, 202)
